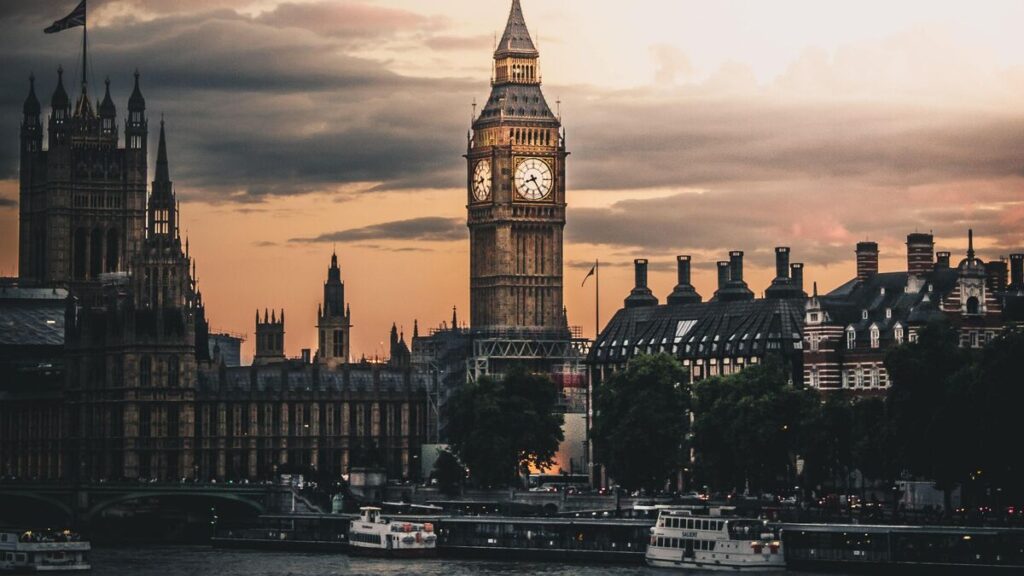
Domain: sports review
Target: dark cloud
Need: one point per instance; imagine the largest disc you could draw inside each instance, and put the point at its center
(264, 244)
(821, 220)
(350, 21)
(428, 228)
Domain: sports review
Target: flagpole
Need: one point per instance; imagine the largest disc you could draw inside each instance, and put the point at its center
(85, 34)
(597, 300)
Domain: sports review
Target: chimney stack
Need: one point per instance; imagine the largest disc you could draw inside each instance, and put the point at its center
(640, 295)
(723, 274)
(920, 250)
(1016, 272)
(736, 266)
(797, 274)
(782, 262)
(941, 260)
(867, 260)
(995, 275)
(683, 293)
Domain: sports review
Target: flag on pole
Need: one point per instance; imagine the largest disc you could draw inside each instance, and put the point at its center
(589, 274)
(76, 18)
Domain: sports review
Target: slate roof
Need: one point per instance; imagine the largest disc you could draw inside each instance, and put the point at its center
(517, 102)
(32, 316)
(884, 292)
(715, 329)
(516, 39)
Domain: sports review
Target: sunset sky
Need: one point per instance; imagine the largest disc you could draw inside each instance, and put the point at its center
(695, 127)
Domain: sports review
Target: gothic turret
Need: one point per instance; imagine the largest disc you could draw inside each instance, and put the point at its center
(31, 128)
(333, 320)
(108, 113)
(162, 217)
(60, 112)
(135, 127)
(31, 108)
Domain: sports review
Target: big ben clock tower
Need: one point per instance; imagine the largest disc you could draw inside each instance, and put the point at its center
(516, 195)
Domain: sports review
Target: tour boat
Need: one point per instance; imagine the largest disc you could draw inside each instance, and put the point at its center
(682, 539)
(42, 551)
(375, 535)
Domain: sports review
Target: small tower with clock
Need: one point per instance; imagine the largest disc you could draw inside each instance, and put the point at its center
(516, 195)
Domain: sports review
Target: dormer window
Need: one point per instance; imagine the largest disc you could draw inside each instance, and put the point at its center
(888, 313)
(864, 314)
(851, 338)
(898, 334)
(874, 336)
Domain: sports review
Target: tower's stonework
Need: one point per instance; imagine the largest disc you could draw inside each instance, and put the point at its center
(516, 195)
(83, 199)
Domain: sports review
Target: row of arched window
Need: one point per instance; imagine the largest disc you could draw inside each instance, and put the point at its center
(95, 252)
(531, 136)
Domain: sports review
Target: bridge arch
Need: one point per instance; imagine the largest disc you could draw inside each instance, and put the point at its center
(49, 501)
(106, 503)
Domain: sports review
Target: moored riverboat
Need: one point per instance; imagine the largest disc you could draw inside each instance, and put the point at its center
(373, 534)
(685, 540)
(31, 551)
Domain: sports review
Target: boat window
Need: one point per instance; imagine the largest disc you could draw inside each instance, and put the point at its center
(689, 524)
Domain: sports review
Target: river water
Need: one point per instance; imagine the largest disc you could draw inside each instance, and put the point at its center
(202, 560)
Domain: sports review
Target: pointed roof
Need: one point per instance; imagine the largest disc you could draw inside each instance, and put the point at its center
(162, 170)
(107, 108)
(516, 39)
(31, 107)
(60, 100)
(136, 102)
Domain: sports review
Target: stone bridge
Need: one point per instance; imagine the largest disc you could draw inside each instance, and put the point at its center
(80, 504)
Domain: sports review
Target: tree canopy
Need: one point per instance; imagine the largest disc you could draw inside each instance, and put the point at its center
(747, 427)
(500, 429)
(641, 419)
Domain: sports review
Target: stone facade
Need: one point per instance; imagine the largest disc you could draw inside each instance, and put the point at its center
(849, 331)
(516, 195)
(82, 200)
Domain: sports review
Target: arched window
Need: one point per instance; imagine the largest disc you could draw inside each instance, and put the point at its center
(96, 253)
(173, 372)
(81, 246)
(972, 305)
(851, 338)
(145, 372)
(874, 336)
(898, 334)
(113, 250)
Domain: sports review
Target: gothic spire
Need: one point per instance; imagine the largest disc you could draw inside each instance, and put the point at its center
(107, 108)
(136, 102)
(60, 100)
(516, 39)
(162, 171)
(31, 107)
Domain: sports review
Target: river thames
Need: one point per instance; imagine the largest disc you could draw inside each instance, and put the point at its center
(201, 560)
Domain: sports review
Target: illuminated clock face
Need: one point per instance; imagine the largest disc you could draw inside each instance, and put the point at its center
(482, 180)
(533, 179)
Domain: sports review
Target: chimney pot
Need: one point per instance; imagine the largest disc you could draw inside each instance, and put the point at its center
(782, 262)
(867, 260)
(640, 272)
(736, 266)
(920, 250)
(683, 270)
(1016, 271)
(941, 260)
(723, 274)
(797, 274)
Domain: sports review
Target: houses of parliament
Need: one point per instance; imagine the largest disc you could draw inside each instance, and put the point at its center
(107, 369)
